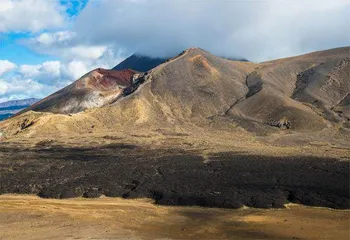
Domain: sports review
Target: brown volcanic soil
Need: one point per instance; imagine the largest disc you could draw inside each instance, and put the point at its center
(301, 89)
(22, 217)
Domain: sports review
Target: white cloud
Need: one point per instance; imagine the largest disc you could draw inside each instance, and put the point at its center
(48, 39)
(31, 15)
(29, 70)
(3, 86)
(257, 30)
(43, 79)
(48, 73)
(65, 45)
(76, 58)
(76, 69)
(32, 81)
(17, 88)
(6, 66)
(52, 67)
(88, 52)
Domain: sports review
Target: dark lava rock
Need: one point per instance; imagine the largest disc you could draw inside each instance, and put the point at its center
(92, 193)
(69, 194)
(176, 177)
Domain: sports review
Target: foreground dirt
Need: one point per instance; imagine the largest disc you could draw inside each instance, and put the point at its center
(29, 217)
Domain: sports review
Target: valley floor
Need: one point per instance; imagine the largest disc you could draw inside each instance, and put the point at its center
(29, 217)
(233, 176)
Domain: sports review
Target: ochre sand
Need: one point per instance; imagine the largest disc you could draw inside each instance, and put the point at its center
(29, 217)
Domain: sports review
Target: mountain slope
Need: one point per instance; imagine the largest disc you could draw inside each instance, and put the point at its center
(301, 90)
(306, 93)
(201, 86)
(95, 89)
(195, 84)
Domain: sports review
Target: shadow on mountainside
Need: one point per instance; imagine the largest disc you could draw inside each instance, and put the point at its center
(174, 176)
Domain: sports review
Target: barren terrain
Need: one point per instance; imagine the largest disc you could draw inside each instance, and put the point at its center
(24, 217)
(175, 168)
(197, 130)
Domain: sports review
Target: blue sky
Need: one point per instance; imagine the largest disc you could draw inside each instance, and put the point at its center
(74, 6)
(13, 51)
(47, 44)
(18, 53)
(38, 53)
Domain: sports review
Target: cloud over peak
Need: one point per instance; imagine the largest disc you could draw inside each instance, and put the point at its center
(64, 44)
(257, 30)
(72, 37)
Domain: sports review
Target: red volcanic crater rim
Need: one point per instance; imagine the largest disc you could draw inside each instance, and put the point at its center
(103, 79)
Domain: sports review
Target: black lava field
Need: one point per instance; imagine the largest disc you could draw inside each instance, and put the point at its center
(175, 176)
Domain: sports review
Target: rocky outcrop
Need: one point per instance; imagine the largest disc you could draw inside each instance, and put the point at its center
(283, 124)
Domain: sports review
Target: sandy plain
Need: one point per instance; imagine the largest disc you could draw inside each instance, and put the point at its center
(30, 217)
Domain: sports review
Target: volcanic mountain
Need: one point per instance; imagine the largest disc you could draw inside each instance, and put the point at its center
(95, 89)
(303, 93)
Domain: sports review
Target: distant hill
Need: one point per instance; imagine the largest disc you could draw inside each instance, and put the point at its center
(139, 63)
(9, 108)
(22, 102)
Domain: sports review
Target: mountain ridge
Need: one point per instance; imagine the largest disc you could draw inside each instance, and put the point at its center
(9, 108)
(199, 88)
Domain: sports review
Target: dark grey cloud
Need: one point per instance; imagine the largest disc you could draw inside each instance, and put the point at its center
(257, 30)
